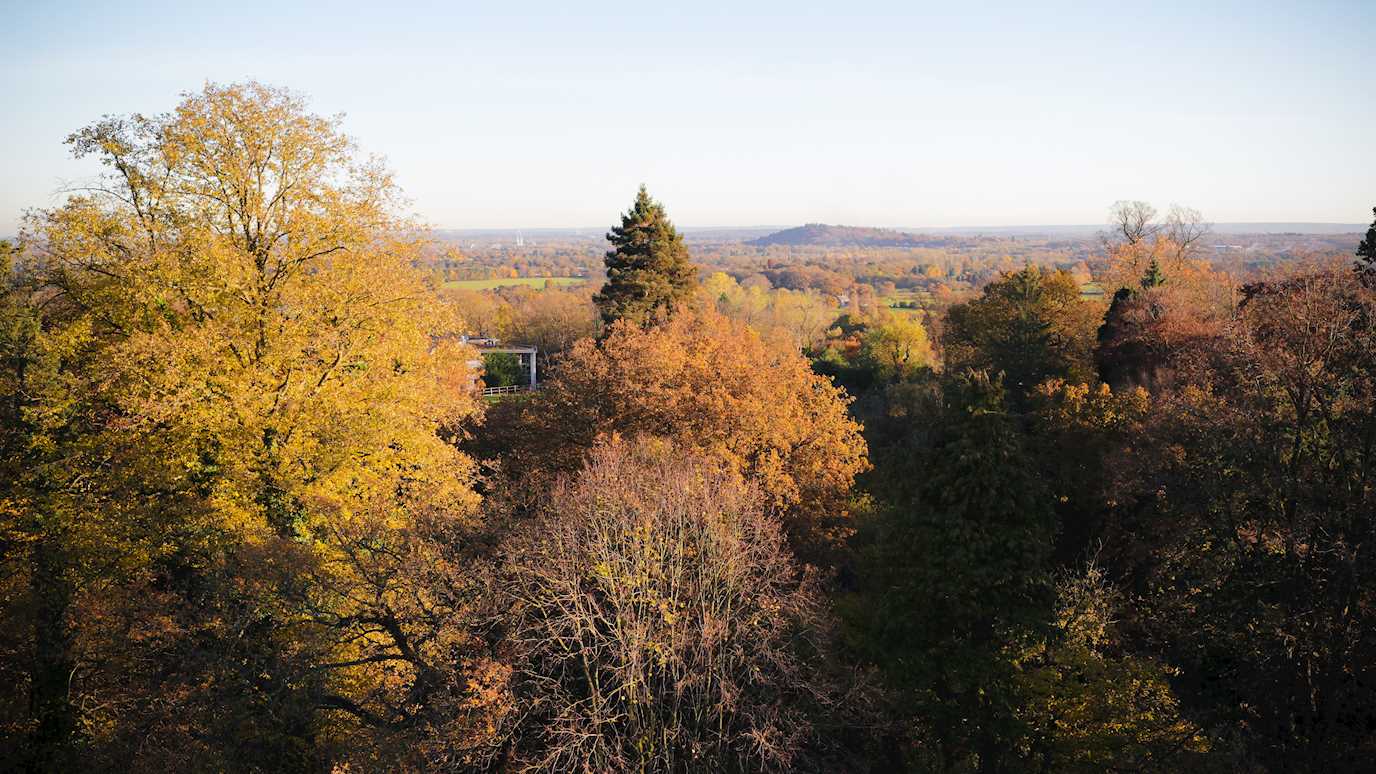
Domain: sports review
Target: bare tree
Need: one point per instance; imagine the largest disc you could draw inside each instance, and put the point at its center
(1184, 227)
(1136, 241)
(663, 625)
(1132, 222)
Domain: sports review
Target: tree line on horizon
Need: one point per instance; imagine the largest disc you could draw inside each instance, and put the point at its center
(253, 516)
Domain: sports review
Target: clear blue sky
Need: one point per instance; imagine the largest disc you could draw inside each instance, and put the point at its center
(550, 114)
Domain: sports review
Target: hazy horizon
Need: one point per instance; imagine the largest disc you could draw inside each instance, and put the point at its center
(783, 113)
(1237, 227)
(1016, 229)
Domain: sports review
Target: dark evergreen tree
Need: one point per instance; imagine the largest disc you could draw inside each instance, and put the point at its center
(648, 271)
(1123, 358)
(1028, 325)
(955, 572)
(1154, 278)
(1366, 252)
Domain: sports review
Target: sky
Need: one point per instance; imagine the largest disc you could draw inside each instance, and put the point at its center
(504, 115)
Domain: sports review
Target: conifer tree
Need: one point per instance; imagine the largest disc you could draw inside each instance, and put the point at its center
(648, 271)
(957, 569)
(1154, 278)
(1366, 252)
(1029, 325)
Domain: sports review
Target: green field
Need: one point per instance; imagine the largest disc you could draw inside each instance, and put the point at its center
(905, 297)
(534, 282)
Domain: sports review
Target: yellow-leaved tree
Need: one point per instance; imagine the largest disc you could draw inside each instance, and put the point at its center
(246, 466)
(897, 347)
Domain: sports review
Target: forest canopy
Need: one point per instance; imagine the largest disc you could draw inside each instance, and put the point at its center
(890, 504)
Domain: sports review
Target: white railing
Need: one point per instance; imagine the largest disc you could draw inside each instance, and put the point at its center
(510, 389)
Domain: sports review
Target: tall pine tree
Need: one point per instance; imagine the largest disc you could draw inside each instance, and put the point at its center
(648, 271)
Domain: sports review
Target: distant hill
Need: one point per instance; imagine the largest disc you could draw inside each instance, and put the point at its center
(821, 234)
(1089, 230)
(824, 235)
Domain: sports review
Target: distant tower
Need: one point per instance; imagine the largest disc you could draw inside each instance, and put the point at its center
(520, 240)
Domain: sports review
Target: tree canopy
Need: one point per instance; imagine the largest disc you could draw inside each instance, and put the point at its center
(255, 516)
(712, 385)
(1028, 325)
(715, 656)
(234, 384)
(648, 269)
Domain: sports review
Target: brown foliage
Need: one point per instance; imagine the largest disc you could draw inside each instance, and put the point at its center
(1149, 335)
(1250, 520)
(662, 625)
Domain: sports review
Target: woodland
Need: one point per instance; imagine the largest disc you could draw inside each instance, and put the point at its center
(988, 505)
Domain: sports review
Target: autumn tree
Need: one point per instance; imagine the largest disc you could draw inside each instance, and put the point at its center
(1000, 648)
(1090, 703)
(801, 315)
(1148, 335)
(662, 624)
(712, 385)
(1168, 304)
(1080, 435)
(1142, 250)
(242, 387)
(648, 269)
(897, 347)
(42, 423)
(551, 319)
(1248, 515)
(1134, 225)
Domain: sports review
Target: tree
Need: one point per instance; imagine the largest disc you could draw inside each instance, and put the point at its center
(1149, 334)
(1248, 515)
(245, 371)
(1366, 251)
(1090, 704)
(1153, 278)
(801, 315)
(1184, 227)
(551, 319)
(712, 385)
(955, 574)
(1028, 325)
(648, 269)
(1132, 221)
(1137, 240)
(503, 369)
(662, 624)
(897, 347)
(997, 660)
(42, 424)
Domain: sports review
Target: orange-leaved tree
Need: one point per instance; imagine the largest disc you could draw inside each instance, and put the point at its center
(712, 385)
